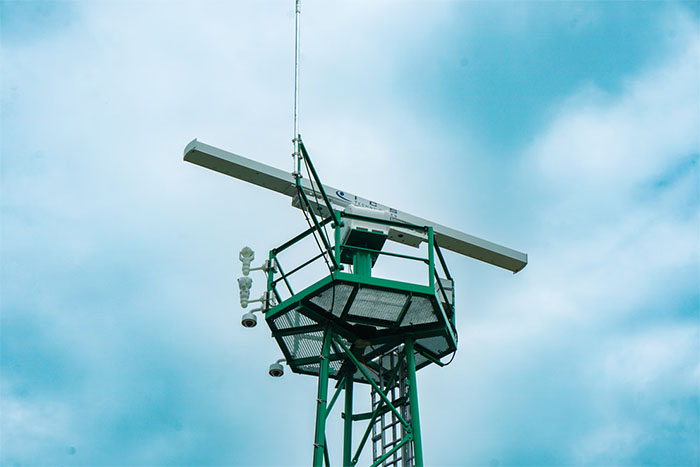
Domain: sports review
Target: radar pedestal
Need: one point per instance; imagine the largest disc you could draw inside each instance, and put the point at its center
(355, 328)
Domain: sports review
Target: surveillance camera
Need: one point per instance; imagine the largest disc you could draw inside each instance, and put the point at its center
(276, 370)
(244, 285)
(246, 256)
(249, 320)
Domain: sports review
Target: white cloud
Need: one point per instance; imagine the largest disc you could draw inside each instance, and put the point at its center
(665, 356)
(98, 196)
(34, 430)
(611, 143)
(613, 443)
(617, 220)
(607, 308)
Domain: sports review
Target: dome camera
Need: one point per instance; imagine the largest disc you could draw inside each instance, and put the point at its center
(276, 370)
(249, 320)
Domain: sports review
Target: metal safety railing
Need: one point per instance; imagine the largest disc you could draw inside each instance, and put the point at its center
(439, 277)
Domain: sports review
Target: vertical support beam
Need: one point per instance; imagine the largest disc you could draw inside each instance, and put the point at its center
(270, 274)
(362, 264)
(320, 436)
(337, 226)
(347, 443)
(431, 258)
(413, 400)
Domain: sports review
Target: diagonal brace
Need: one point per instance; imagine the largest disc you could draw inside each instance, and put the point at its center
(314, 174)
(376, 387)
(338, 388)
(318, 228)
(361, 446)
(405, 440)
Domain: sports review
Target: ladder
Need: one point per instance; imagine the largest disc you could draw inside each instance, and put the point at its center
(387, 430)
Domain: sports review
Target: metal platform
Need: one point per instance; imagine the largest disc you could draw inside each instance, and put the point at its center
(371, 316)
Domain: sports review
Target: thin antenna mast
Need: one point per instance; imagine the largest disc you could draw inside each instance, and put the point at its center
(296, 171)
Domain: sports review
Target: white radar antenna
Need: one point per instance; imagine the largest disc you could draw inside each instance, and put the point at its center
(284, 183)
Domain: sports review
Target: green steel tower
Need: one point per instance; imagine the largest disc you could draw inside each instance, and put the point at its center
(348, 326)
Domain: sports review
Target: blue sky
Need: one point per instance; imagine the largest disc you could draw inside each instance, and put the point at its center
(566, 130)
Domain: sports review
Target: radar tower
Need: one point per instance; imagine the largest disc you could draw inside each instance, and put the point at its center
(348, 325)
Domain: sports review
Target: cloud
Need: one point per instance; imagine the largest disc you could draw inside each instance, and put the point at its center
(590, 356)
(615, 143)
(120, 334)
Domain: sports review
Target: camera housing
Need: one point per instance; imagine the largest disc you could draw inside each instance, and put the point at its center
(244, 285)
(276, 370)
(246, 256)
(249, 320)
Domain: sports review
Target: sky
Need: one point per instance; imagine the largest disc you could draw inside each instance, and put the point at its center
(567, 130)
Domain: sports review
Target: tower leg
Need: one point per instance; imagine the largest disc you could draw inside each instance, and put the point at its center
(347, 443)
(413, 400)
(321, 400)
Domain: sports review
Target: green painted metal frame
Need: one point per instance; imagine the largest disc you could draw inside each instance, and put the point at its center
(335, 252)
(376, 387)
(334, 332)
(388, 336)
(316, 178)
(347, 427)
(412, 428)
(320, 448)
(413, 399)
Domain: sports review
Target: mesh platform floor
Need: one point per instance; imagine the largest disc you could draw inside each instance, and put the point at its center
(370, 320)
